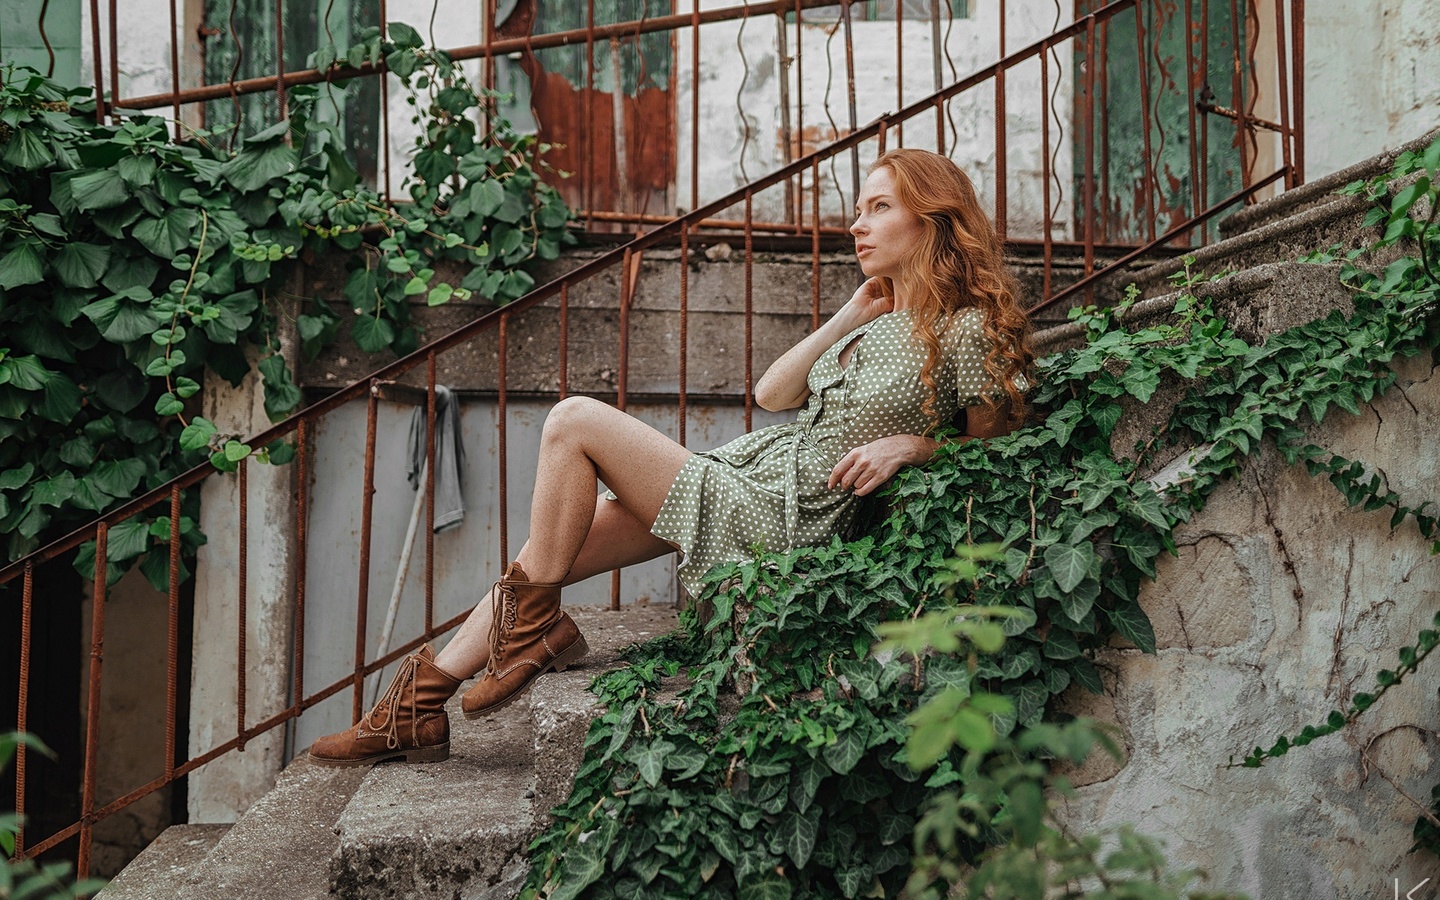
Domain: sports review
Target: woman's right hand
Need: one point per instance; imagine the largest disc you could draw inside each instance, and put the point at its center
(870, 301)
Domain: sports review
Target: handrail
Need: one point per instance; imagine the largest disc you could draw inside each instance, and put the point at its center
(552, 288)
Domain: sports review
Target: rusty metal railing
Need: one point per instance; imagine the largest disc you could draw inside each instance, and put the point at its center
(800, 183)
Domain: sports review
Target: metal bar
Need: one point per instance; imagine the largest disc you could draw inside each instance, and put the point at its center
(1237, 92)
(45, 39)
(1087, 111)
(787, 132)
(174, 63)
(500, 47)
(1187, 225)
(580, 273)
(900, 66)
(800, 104)
(1205, 81)
(501, 436)
(589, 109)
(1148, 187)
(1192, 90)
(92, 700)
(854, 121)
(684, 327)
(1046, 219)
(114, 54)
(1002, 151)
(430, 490)
(367, 509)
(623, 361)
(242, 599)
(385, 111)
(1283, 93)
(282, 101)
(564, 340)
(695, 104)
(1104, 53)
(815, 246)
(1226, 112)
(172, 642)
(22, 708)
(749, 314)
(1297, 40)
(936, 78)
(735, 224)
(98, 62)
(302, 522)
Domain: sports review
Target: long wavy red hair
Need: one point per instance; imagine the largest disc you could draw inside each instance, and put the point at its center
(958, 265)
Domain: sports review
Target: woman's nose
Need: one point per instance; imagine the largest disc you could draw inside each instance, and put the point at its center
(856, 227)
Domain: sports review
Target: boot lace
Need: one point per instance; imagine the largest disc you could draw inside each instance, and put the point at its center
(390, 703)
(502, 621)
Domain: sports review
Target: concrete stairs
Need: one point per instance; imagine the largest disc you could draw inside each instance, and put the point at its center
(1262, 289)
(456, 830)
(1254, 239)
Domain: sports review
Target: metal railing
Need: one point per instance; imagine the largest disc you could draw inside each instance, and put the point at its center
(928, 117)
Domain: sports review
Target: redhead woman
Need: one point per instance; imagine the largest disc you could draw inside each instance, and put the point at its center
(934, 331)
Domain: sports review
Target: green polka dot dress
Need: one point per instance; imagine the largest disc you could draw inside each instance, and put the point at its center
(768, 489)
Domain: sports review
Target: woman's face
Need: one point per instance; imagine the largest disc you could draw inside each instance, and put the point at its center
(885, 230)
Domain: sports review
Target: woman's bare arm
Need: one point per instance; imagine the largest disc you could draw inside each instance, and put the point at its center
(868, 467)
(784, 385)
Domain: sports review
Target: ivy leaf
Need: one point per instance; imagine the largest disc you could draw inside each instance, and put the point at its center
(256, 164)
(27, 373)
(130, 272)
(1069, 563)
(21, 266)
(127, 540)
(282, 395)
(236, 451)
(98, 189)
(404, 36)
(118, 478)
(371, 334)
(197, 434)
(121, 321)
(61, 400)
(80, 265)
(25, 150)
(845, 752)
(769, 886)
(1133, 625)
(799, 831)
(53, 491)
(167, 234)
(583, 864)
(168, 405)
(14, 478)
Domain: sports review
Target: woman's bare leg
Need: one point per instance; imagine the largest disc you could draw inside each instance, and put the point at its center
(573, 534)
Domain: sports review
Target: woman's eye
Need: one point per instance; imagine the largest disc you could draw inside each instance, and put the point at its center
(882, 205)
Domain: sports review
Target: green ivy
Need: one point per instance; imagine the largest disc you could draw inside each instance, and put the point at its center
(773, 750)
(131, 267)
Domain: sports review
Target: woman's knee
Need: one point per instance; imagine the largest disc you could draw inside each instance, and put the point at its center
(572, 416)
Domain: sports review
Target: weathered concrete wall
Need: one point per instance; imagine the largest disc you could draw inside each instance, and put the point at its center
(1282, 604)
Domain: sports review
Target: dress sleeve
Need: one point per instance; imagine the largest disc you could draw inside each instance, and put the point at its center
(973, 385)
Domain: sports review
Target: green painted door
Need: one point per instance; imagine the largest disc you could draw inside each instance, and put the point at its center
(23, 36)
(1144, 86)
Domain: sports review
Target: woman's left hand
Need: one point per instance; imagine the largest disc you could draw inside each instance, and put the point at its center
(869, 466)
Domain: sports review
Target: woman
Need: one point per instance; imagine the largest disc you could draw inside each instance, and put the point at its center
(942, 332)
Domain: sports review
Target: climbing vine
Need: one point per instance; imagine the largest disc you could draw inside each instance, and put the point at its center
(776, 747)
(131, 266)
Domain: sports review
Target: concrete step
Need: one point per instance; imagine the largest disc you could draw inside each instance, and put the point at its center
(277, 849)
(164, 868)
(459, 829)
(1315, 193)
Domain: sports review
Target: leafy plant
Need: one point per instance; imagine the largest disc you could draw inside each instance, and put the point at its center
(130, 267)
(769, 751)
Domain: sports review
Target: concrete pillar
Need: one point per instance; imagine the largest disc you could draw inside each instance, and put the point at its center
(221, 790)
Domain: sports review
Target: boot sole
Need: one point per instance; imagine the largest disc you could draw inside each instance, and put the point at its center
(438, 753)
(567, 658)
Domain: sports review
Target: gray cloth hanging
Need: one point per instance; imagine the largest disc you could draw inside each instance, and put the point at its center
(449, 457)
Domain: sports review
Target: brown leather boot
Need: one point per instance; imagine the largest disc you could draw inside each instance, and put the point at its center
(528, 637)
(409, 722)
